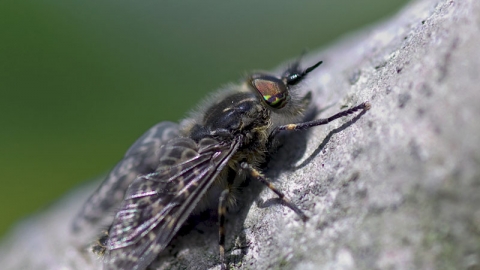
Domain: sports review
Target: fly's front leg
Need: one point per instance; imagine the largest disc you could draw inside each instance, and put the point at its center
(306, 125)
(258, 176)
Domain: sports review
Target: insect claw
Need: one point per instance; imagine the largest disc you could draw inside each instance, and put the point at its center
(367, 105)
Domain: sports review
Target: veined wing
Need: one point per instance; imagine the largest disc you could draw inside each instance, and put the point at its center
(156, 205)
(141, 158)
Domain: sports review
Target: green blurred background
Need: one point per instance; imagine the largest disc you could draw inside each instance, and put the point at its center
(81, 80)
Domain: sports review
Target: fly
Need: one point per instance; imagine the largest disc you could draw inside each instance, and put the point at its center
(173, 170)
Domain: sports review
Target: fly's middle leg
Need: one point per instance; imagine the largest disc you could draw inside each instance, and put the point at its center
(286, 201)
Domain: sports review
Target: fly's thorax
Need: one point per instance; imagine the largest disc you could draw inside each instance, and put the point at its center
(235, 112)
(228, 114)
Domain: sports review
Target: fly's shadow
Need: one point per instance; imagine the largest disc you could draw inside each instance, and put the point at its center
(292, 147)
(292, 150)
(327, 139)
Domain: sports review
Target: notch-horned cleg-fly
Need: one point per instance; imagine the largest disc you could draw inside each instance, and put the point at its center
(174, 170)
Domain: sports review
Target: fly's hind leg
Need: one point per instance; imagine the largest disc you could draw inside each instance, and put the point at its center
(260, 177)
(222, 211)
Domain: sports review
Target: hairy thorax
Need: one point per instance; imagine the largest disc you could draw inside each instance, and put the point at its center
(238, 116)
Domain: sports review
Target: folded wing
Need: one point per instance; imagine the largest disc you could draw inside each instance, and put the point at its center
(157, 204)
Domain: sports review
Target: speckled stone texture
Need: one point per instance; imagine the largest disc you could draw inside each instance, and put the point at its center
(397, 187)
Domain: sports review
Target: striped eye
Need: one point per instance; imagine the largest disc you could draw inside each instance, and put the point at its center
(272, 89)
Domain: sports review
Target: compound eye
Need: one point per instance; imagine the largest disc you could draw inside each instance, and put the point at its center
(273, 90)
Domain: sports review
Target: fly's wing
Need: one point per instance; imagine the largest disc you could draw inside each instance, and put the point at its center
(156, 205)
(141, 158)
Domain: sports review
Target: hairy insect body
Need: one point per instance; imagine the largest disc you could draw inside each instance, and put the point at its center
(238, 114)
(174, 171)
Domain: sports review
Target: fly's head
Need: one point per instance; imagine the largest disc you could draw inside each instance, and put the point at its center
(278, 92)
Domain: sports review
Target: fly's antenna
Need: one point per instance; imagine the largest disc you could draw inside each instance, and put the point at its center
(294, 75)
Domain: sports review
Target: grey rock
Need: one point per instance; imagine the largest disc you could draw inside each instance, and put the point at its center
(397, 187)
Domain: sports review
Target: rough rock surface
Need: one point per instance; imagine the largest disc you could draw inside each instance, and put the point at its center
(397, 187)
